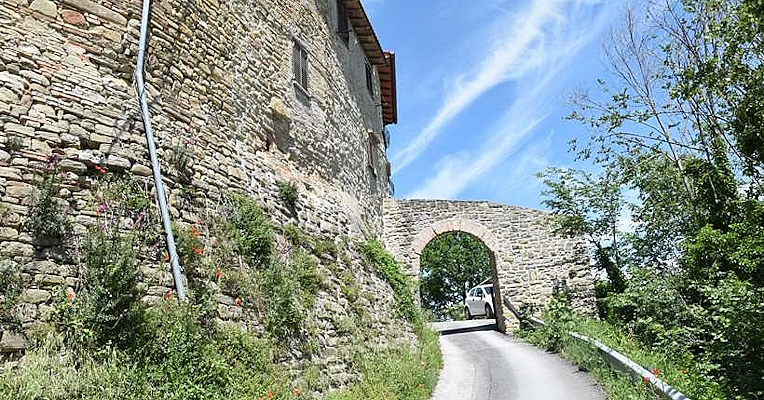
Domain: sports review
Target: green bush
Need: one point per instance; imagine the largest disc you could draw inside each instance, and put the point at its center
(105, 308)
(12, 285)
(13, 144)
(47, 218)
(284, 314)
(287, 194)
(682, 371)
(182, 355)
(251, 230)
(297, 236)
(397, 374)
(325, 248)
(386, 266)
(180, 158)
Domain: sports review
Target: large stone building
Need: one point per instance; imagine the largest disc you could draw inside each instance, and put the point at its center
(243, 94)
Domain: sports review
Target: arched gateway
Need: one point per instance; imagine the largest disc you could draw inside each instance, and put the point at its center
(529, 260)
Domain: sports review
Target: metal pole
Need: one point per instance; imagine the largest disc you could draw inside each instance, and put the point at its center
(141, 88)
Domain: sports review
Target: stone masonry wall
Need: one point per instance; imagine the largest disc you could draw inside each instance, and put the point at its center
(220, 87)
(529, 258)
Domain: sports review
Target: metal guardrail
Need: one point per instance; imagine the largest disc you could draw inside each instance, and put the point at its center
(615, 359)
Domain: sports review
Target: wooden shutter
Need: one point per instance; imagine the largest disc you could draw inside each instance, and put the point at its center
(300, 65)
(343, 25)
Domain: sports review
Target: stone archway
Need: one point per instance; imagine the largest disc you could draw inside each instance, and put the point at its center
(529, 258)
(475, 229)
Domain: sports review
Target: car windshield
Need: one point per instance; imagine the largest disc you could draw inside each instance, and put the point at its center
(488, 289)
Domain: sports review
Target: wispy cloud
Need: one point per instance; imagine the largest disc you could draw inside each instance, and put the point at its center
(515, 51)
(558, 46)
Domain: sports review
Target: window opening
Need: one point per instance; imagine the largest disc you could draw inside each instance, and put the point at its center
(300, 65)
(343, 23)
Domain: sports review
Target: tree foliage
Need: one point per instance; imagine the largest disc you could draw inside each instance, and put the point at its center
(450, 263)
(679, 128)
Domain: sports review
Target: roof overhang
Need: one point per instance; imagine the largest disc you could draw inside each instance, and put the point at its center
(387, 86)
(366, 36)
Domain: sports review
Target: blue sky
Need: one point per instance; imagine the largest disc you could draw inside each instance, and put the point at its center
(483, 88)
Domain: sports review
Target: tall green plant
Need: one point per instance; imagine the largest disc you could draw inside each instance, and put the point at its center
(386, 266)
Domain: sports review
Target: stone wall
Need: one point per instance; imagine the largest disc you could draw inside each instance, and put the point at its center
(221, 90)
(529, 258)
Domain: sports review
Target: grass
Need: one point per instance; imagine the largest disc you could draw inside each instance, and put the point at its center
(678, 370)
(401, 374)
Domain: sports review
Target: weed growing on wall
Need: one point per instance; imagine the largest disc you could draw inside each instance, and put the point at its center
(386, 266)
(251, 230)
(47, 217)
(105, 307)
(297, 236)
(10, 289)
(287, 194)
(180, 159)
(397, 373)
(13, 144)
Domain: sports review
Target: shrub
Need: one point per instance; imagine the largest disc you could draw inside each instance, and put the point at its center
(297, 236)
(105, 308)
(47, 219)
(287, 194)
(190, 254)
(682, 371)
(325, 248)
(182, 355)
(180, 158)
(251, 230)
(13, 144)
(397, 373)
(305, 270)
(386, 266)
(284, 314)
(12, 284)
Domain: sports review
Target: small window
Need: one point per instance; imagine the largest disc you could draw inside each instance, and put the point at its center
(343, 25)
(370, 78)
(300, 65)
(372, 153)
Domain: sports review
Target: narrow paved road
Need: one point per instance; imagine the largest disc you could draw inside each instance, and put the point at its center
(488, 365)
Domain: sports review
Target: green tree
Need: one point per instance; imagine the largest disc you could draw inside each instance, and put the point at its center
(450, 263)
(680, 124)
(589, 206)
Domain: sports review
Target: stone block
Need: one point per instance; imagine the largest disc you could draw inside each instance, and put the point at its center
(141, 170)
(74, 18)
(45, 7)
(99, 10)
(12, 342)
(35, 296)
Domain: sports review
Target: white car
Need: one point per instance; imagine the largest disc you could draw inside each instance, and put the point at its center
(479, 302)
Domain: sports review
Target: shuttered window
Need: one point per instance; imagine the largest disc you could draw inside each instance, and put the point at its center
(300, 65)
(370, 78)
(343, 25)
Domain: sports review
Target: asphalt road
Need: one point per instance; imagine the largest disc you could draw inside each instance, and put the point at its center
(488, 365)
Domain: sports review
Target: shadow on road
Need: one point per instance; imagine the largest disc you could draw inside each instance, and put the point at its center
(453, 327)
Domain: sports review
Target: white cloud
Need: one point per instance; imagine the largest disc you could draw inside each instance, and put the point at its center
(518, 47)
(454, 173)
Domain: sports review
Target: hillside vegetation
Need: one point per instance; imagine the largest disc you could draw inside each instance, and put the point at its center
(103, 340)
(677, 144)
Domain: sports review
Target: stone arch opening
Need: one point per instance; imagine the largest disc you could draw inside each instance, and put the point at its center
(480, 232)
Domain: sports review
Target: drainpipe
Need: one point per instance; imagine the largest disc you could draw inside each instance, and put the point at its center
(141, 89)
